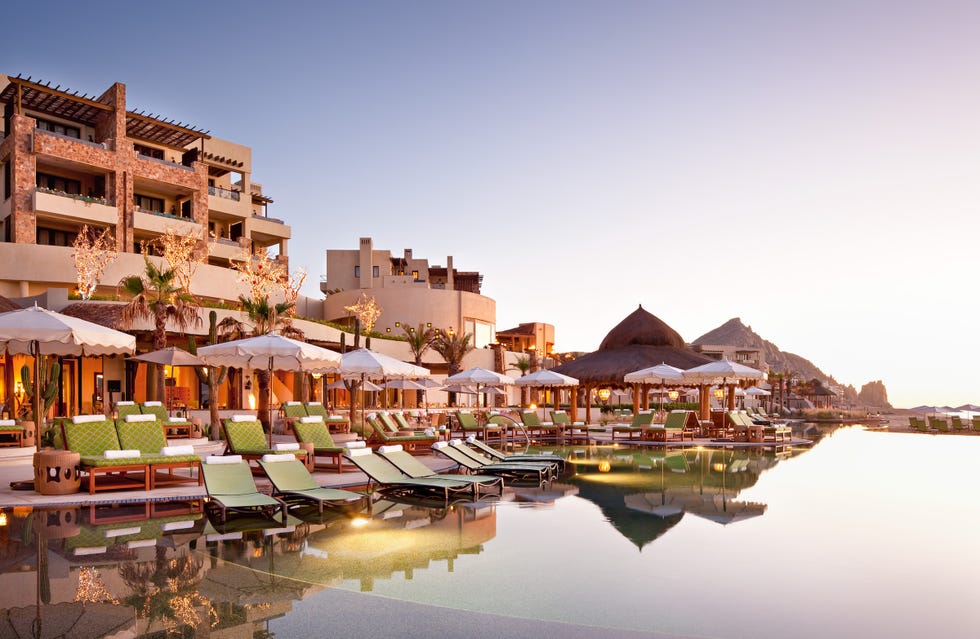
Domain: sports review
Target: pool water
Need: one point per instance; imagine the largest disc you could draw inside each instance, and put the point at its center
(867, 534)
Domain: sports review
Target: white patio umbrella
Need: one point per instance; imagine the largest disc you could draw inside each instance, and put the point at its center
(546, 378)
(404, 385)
(37, 331)
(661, 374)
(272, 352)
(364, 364)
(480, 377)
(722, 372)
(172, 357)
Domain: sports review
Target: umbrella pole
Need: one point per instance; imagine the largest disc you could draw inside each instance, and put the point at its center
(268, 402)
(36, 399)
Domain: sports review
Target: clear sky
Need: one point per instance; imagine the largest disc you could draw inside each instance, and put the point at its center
(809, 167)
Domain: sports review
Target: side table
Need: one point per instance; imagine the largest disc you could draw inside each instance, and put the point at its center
(56, 472)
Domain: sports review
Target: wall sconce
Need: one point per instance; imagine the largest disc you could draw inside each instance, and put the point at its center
(248, 383)
(604, 394)
(719, 393)
(673, 395)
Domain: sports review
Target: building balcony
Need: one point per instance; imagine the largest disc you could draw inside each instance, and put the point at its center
(160, 222)
(268, 226)
(81, 153)
(77, 208)
(227, 194)
(225, 249)
(221, 201)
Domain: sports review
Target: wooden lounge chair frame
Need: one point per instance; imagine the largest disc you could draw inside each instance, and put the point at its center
(313, 430)
(680, 424)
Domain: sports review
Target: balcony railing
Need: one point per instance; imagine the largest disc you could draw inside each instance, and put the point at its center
(228, 194)
(166, 215)
(94, 145)
(270, 219)
(175, 165)
(74, 196)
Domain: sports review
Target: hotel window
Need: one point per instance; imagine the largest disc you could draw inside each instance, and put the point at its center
(357, 271)
(57, 183)
(415, 276)
(148, 203)
(61, 129)
(376, 271)
(54, 237)
(149, 151)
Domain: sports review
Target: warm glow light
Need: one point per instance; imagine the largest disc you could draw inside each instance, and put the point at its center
(3, 517)
(673, 395)
(604, 394)
(251, 401)
(533, 407)
(718, 467)
(719, 393)
(604, 467)
(359, 522)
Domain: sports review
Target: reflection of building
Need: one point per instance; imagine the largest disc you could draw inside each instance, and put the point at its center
(409, 291)
(745, 355)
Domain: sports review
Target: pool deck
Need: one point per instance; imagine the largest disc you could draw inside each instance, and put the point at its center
(16, 464)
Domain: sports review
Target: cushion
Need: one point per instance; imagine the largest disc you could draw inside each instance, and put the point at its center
(278, 458)
(357, 452)
(125, 403)
(153, 403)
(121, 454)
(314, 432)
(286, 446)
(140, 418)
(177, 525)
(309, 419)
(242, 418)
(85, 419)
(360, 443)
(293, 403)
(146, 437)
(223, 459)
(439, 445)
(176, 420)
(91, 438)
(389, 449)
(246, 436)
(170, 451)
(7, 422)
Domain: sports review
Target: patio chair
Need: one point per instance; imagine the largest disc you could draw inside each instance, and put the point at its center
(312, 429)
(641, 421)
(290, 479)
(533, 425)
(939, 424)
(976, 423)
(390, 479)
(125, 408)
(246, 438)
(478, 456)
(573, 430)
(777, 431)
(919, 424)
(136, 432)
(469, 425)
(376, 433)
(294, 410)
(94, 438)
(335, 423)
(177, 425)
(516, 472)
(517, 457)
(230, 486)
(957, 423)
(10, 428)
(416, 469)
(680, 424)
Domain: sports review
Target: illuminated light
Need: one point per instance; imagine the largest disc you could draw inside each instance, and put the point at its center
(3, 517)
(533, 407)
(718, 467)
(359, 522)
(673, 395)
(257, 552)
(604, 467)
(251, 401)
(604, 394)
(719, 393)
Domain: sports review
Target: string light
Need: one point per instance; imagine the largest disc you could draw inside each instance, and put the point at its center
(93, 253)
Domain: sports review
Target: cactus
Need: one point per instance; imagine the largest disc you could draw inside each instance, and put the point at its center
(50, 376)
(343, 343)
(212, 376)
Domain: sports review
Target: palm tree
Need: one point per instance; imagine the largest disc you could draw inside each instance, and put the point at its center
(157, 296)
(453, 347)
(265, 317)
(419, 341)
(523, 364)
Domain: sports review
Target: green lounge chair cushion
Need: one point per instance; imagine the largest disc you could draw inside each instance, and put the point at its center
(316, 408)
(127, 409)
(147, 437)
(99, 461)
(244, 436)
(91, 439)
(158, 411)
(317, 434)
(294, 410)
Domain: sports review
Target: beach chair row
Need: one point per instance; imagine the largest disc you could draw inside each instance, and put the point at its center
(954, 424)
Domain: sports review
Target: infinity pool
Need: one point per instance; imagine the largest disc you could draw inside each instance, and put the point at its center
(867, 534)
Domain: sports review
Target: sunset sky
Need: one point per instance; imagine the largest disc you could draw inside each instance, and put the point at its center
(810, 167)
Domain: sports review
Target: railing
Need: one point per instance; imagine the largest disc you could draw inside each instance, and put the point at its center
(226, 242)
(228, 194)
(74, 196)
(94, 145)
(271, 219)
(176, 165)
(166, 215)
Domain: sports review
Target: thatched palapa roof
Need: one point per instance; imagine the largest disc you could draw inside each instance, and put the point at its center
(641, 340)
(108, 315)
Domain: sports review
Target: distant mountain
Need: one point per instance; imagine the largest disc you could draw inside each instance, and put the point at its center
(735, 333)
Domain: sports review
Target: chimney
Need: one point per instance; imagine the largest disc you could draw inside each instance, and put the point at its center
(450, 280)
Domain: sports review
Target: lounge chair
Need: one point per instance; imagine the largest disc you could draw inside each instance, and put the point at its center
(939, 423)
(417, 470)
(534, 426)
(777, 431)
(290, 479)
(10, 428)
(517, 472)
(177, 425)
(246, 438)
(572, 430)
(312, 429)
(390, 479)
(478, 456)
(294, 410)
(94, 438)
(957, 423)
(469, 425)
(680, 424)
(335, 423)
(641, 421)
(919, 424)
(230, 487)
(136, 432)
(518, 457)
(376, 433)
(125, 408)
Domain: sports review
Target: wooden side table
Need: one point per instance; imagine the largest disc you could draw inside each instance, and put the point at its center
(56, 472)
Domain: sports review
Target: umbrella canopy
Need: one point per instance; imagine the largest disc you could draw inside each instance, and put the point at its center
(479, 376)
(659, 374)
(271, 351)
(459, 388)
(546, 378)
(40, 332)
(756, 391)
(57, 334)
(404, 384)
(492, 390)
(428, 382)
(368, 386)
(721, 371)
(363, 362)
(171, 356)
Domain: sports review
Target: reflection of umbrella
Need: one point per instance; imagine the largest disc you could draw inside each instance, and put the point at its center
(71, 619)
(271, 351)
(653, 503)
(38, 331)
